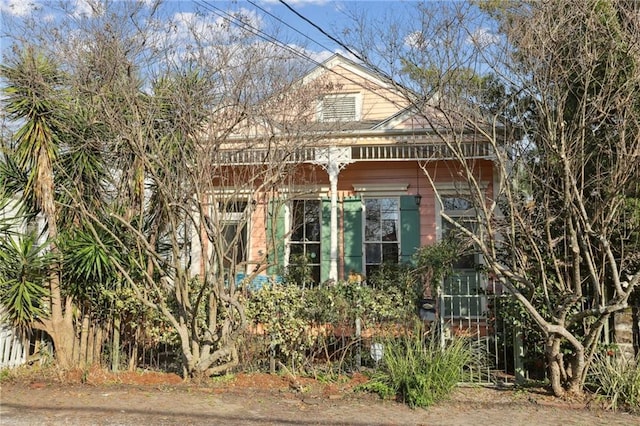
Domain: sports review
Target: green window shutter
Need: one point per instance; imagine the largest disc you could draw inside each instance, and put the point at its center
(352, 235)
(325, 240)
(409, 228)
(275, 237)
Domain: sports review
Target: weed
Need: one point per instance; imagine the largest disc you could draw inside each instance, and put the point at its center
(5, 375)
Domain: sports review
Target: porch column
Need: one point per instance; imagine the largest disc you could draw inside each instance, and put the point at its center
(333, 170)
(333, 160)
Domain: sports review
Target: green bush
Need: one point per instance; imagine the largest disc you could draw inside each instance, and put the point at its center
(418, 370)
(280, 309)
(617, 380)
(299, 321)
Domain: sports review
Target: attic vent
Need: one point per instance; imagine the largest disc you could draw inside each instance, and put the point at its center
(339, 108)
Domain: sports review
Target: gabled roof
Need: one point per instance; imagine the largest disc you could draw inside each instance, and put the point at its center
(330, 64)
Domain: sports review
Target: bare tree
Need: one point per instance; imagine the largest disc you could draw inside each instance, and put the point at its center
(195, 133)
(552, 87)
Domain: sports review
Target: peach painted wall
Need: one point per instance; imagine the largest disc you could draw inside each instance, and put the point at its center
(376, 173)
(378, 103)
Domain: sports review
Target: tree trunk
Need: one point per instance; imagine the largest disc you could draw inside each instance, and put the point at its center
(63, 337)
(60, 325)
(574, 382)
(554, 362)
(115, 343)
(83, 344)
(564, 379)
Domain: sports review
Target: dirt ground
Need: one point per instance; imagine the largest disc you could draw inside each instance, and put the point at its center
(98, 398)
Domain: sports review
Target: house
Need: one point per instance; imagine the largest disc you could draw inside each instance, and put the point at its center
(364, 198)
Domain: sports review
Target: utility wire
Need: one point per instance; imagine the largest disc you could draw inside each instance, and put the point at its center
(332, 38)
(288, 25)
(357, 55)
(270, 39)
(234, 20)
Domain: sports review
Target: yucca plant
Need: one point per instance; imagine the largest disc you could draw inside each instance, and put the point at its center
(418, 370)
(616, 379)
(24, 266)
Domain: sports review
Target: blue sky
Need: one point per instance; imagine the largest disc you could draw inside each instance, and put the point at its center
(269, 19)
(332, 16)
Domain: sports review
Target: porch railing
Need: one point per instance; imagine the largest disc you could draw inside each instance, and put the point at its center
(393, 152)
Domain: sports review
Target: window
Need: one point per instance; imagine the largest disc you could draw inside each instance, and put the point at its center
(305, 238)
(340, 108)
(381, 232)
(461, 210)
(234, 232)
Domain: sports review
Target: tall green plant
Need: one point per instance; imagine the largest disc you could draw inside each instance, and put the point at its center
(435, 261)
(24, 267)
(617, 380)
(33, 94)
(418, 370)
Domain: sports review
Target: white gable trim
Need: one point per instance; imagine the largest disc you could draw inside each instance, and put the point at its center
(336, 60)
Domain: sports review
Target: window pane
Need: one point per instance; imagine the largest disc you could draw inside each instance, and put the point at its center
(389, 204)
(312, 231)
(297, 232)
(456, 203)
(372, 231)
(382, 230)
(305, 220)
(372, 205)
(235, 244)
(297, 249)
(313, 253)
(297, 219)
(389, 231)
(373, 253)
(306, 234)
(390, 252)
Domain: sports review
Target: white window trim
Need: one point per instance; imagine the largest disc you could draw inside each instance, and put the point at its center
(380, 190)
(287, 225)
(451, 189)
(378, 194)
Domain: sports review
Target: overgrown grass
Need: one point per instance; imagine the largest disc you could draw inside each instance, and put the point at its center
(417, 370)
(617, 380)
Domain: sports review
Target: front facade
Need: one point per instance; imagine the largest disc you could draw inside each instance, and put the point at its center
(369, 170)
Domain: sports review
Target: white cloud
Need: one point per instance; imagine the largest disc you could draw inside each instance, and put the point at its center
(320, 56)
(416, 40)
(86, 8)
(19, 7)
(186, 26)
(482, 37)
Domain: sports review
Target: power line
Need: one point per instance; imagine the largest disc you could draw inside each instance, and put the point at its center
(273, 40)
(234, 20)
(269, 38)
(332, 38)
(288, 25)
(357, 55)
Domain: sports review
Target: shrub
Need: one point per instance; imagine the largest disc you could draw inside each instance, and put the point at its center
(616, 379)
(301, 322)
(280, 309)
(418, 370)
